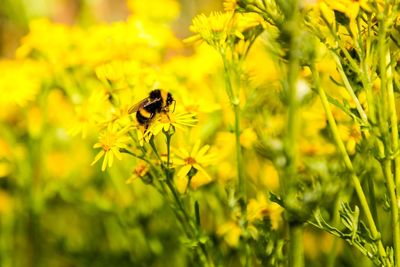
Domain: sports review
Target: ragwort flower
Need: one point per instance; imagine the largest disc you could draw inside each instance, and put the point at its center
(163, 122)
(218, 27)
(89, 113)
(166, 120)
(350, 8)
(111, 141)
(230, 5)
(212, 29)
(195, 160)
(141, 171)
(260, 208)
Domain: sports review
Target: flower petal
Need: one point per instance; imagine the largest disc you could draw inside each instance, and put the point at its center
(195, 148)
(105, 160)
(181, 184)
(182, 153)
(202, 151)
(110, 159)
(201, 169)
(116, 153)
(156, 129)
(97, 145)
(98, 156)
(178, 162)
(184, 171)
(166, 126)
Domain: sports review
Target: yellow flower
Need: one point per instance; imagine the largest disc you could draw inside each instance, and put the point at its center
(164, 10)
(140, 171)
(230, 5)
(20, 82)
(176, 120)
(269, 176)
(212, 29)
(52, 41)
(259, 208)
(5, 158)
(89, 113)
(196, 159)
(231, 232)
(142, 134)
(350, 8)
(219, 26)
(164, 121)
(5, 169)
(316, 146)
(6, 203)
(248, 137)
(351, 135)
(117, 70)
(245, 21)
(34, 121)
(111, 141)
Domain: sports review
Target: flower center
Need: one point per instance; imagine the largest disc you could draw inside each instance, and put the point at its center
(105, 147)
(108, 141)
(190, 161)
(141, 170)
(164, 118)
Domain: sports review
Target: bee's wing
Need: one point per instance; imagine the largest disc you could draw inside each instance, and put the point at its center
(145, 102)
(138, 105)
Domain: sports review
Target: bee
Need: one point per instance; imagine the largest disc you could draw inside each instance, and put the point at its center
(158, 101)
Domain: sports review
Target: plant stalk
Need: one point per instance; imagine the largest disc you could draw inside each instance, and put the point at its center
(234, 99)
(390, 135)
(296, 250)
(348, 164)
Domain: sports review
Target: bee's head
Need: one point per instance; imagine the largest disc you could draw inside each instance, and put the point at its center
(170, 99)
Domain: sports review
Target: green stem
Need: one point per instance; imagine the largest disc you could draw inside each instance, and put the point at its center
(391, 143)
(335, 245)
(372, 199)
(342, 48)
(296, 256)
(296, 250)
(186, 221)
(348, 164)
(241, 196)
(170, 186)
(393, 120)
(234, 99)
(350, 90)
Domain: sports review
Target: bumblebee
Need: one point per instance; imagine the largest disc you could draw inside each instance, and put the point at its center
(157, 101)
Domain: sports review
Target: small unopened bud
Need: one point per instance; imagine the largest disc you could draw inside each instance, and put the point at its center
(302, 89)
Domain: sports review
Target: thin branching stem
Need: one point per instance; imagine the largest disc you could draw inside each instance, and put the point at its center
(390, 134)
(349, 166)
(350, 90)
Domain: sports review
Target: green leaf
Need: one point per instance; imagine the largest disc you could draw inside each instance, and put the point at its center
(350, 218)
